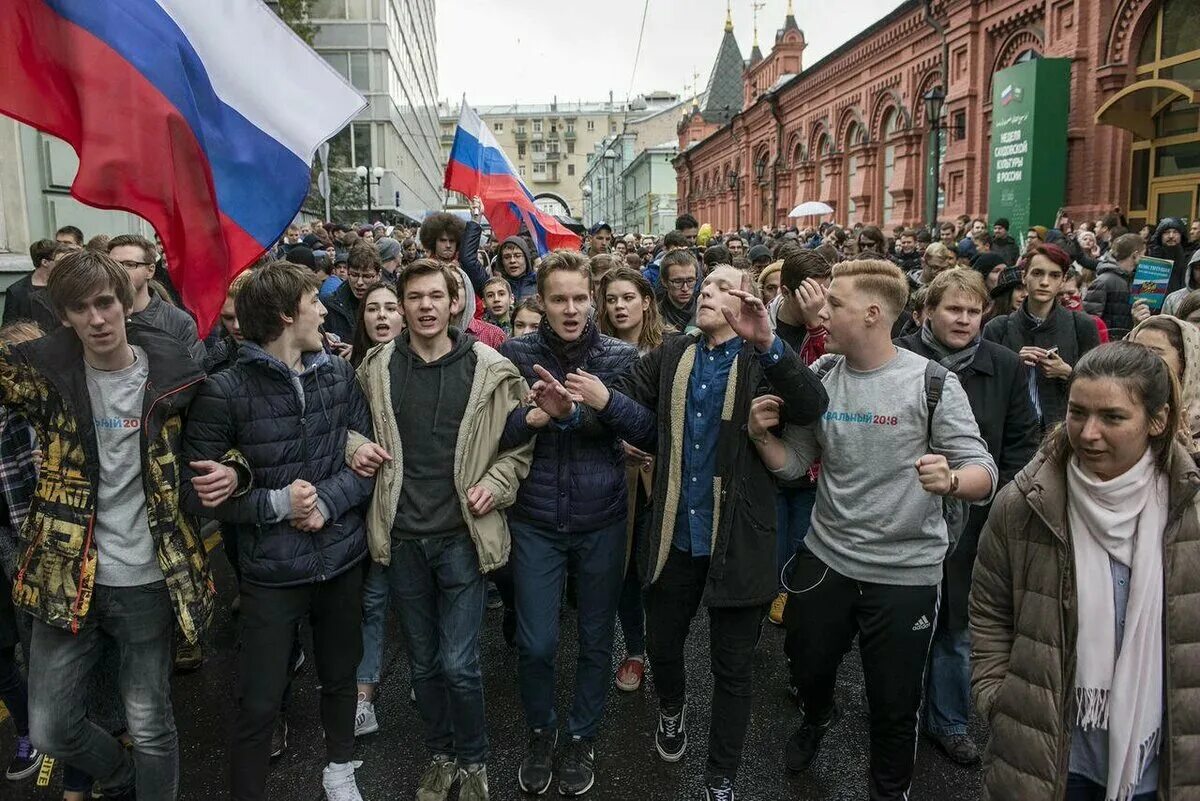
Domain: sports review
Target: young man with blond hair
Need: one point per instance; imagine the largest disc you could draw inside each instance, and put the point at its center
(862, 573)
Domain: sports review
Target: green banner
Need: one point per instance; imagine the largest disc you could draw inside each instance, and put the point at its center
(1030, 104)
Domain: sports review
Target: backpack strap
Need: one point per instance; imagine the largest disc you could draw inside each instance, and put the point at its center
(829, 364)
(935, 381)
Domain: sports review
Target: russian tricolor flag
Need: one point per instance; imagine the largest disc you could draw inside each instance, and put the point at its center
(202, 117)
(479, 168)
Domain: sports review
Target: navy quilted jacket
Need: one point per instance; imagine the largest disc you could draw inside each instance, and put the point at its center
(577, 482)
(254, 408)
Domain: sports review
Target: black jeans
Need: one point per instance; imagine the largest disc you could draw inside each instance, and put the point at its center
(894, 625)
(269, 619)
(671, 603)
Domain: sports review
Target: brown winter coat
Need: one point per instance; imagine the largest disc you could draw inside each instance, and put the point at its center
(1023, 629)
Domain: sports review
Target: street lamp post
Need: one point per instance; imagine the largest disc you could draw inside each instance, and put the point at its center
(935, 100)
(736, 186)
(610, 165)
(366, 177)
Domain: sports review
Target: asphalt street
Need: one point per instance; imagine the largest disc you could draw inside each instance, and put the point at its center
(627, 765)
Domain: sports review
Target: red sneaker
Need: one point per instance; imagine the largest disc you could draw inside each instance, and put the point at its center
(630, 673)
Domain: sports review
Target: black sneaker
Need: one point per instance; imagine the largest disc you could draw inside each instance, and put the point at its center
(537, 769)
(718, 788)
(279, 735)
(804, 743)
(26, 761)
(575, 773)
(670, 740)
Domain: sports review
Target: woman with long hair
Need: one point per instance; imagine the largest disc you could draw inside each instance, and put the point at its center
(630, 313)
(380, 320)
(630, 310)
(1085, 604)
(1178, 344)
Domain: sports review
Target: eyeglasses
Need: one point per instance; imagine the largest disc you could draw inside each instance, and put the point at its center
(363, 276)
(682, 283)
(133, 265)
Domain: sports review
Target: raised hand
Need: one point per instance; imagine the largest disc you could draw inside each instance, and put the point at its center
(588, 389)
(551, 396)
(751, 323)
(810, 299)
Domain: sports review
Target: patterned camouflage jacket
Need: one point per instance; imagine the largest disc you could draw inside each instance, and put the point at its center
(44, 380)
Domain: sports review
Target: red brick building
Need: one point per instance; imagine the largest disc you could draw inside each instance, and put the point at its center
(852, 130)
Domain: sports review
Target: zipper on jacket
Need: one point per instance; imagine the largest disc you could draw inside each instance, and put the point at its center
(87, 546)
(1064, 747)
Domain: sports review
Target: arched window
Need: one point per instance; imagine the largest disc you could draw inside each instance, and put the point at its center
(824, 147)
(1170, 50)
(855, 136)
(797, 153)
(887, 158)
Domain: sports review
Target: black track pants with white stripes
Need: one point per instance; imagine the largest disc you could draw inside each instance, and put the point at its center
(894, 625)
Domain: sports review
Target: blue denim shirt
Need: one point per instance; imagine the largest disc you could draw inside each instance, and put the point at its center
(701, 430)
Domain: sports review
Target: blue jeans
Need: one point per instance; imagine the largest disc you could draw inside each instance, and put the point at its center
(440, 599)
(139, 621)
(793, 512)
(540, 558)
(1081, 788)
(948, 694)
(374, 618)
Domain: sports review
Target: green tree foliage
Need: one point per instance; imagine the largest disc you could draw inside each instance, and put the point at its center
(295, 14)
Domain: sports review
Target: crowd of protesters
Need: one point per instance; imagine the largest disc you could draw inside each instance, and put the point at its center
(978, 445)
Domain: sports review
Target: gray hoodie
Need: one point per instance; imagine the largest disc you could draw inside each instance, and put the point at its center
(1189, 284)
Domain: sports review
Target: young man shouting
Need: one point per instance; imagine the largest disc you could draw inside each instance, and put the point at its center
(883, 446)
(571, 509)
(110, 554)
(440, 400)
(282, 414)
(711, 534)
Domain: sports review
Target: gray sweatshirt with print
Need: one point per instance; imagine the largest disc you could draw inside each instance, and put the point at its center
(872, 520)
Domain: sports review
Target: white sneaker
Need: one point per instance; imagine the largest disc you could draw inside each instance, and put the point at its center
(365, 721)
(338, 779)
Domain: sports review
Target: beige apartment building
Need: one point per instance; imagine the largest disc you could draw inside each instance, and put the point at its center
(550, 143)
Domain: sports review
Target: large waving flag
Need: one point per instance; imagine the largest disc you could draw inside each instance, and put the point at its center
(479, 168)
(198, 116)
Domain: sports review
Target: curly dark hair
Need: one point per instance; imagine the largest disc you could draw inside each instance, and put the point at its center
(437, 224)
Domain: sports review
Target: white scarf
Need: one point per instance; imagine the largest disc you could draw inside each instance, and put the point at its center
(1122, 519)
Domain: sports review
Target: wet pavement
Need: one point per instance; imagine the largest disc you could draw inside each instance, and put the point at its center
(627, 765)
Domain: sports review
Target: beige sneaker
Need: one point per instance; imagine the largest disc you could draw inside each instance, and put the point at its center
(438, 778)
(777, 606)
(474, 785)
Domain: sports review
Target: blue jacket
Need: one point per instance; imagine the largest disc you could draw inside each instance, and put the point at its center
(577, 482)
(284, 427)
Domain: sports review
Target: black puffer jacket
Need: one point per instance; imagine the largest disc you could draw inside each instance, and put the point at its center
(341, 309)
(577, 482)
(1108, 298)
(252, 414)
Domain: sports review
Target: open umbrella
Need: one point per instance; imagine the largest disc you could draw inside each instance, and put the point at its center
(811, 208)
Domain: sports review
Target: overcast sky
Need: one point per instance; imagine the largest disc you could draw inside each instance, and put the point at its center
(504, 51)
